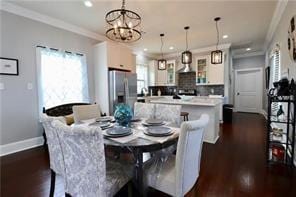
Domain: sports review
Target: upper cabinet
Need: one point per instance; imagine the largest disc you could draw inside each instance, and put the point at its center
(165, 77)
(202, 65)
(207, 73)
(116, 56)
(171, 72)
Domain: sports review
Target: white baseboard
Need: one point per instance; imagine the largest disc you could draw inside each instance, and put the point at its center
(14, 147)
(264, 113)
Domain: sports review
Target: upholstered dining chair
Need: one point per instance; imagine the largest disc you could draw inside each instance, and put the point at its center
(170, 113)
(178, 174)
(85, 112)
(86, 171)
(54, 149)
(144, 110)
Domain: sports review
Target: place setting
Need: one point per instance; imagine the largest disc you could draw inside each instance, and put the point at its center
(153, 122)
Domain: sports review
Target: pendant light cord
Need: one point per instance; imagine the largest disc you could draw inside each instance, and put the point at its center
(217, 35)
(161, 46)
(186, 40)
(123, 5)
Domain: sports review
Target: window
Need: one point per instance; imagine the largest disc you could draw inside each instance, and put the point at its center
(142, 77)
(275, 74)
(62, 78)
(275, 68)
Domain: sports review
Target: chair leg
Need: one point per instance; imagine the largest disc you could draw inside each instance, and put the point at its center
(130, 189)
(45, 140)
(52, 183)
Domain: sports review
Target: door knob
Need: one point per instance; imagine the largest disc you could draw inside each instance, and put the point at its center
(237, 93)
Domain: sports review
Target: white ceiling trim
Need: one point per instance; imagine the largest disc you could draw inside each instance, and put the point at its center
(9, 7)
(201, 50)
(276, 18)
(257, 53)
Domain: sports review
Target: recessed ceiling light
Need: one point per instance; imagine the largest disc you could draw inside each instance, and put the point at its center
(248, 49)
(171, 48)
(88, 4)
(145, 49)
(225, 36)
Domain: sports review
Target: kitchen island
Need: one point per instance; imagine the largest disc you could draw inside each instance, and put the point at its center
(196, 106)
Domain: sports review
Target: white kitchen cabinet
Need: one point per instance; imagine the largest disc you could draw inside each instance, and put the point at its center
(207, 73)
(152, 72)
(171, 72)
(216, 74)
(165, 77)
(202, 68)
(161, 77)
(118, 56)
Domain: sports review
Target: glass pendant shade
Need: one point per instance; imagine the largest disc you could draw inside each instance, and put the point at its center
(161, 64)
(186, 57)
(216, 57)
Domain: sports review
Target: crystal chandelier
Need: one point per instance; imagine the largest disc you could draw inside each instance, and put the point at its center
(123, 25)
(162, 61)
(216, 56)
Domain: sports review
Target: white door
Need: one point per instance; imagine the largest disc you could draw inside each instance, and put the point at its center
(248, 90)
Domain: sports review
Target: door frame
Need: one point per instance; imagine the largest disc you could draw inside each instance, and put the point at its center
(260, 87)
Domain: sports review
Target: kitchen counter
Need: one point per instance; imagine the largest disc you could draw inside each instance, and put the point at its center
(195, 106)
(188, 101)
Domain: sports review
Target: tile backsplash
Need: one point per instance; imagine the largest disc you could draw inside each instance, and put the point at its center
(165, 90)
(205, 90)
(187, 80)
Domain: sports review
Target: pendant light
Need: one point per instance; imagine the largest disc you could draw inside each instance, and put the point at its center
(162, 61)
(186, 55)
(123, 25)
(216, 56)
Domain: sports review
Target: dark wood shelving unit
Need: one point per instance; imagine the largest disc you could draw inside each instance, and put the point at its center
(280, 149)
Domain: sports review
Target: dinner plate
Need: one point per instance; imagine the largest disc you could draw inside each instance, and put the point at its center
(118, 131)
(151, 125)
(154, 121)
(104, 119)
(135, 119)
(158, 131)
(103, 125)
(115, 136)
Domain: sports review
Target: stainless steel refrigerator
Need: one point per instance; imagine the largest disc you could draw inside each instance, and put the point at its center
(122, 89)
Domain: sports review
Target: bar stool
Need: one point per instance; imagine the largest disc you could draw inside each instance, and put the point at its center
(185, 115)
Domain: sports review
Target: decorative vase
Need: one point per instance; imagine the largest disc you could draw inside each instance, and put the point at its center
(123, 114)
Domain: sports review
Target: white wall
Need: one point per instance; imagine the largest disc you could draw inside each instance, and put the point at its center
(250, 62)
(19, 38)
(281, 36)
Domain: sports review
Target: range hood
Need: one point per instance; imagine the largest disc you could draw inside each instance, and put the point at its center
(185, 69)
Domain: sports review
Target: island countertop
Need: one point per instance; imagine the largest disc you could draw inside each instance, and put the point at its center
(197, 101)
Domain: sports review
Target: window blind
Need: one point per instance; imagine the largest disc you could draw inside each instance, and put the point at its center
(275, 75)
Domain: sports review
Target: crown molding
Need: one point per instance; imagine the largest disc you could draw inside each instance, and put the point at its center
(20, 11)
(252, 54)
(276, 18)
(200, 50)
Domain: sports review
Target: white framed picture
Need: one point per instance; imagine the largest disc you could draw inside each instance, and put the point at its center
(8, 66)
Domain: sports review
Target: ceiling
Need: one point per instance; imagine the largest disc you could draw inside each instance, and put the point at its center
(245, 22)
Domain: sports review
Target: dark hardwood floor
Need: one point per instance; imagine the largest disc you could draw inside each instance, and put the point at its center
(234, 166)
